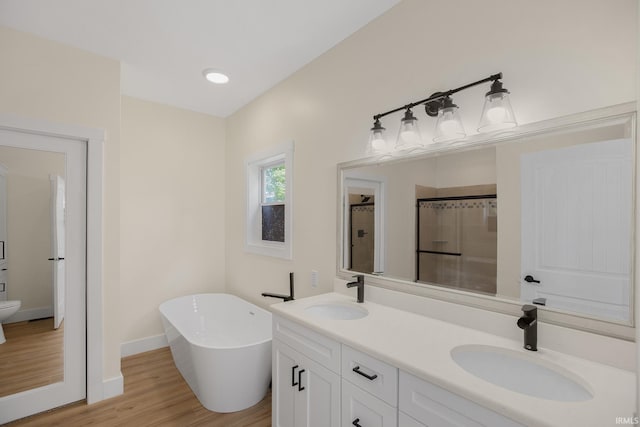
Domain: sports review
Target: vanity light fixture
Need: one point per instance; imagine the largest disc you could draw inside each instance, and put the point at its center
(497, 114)
(215, 76)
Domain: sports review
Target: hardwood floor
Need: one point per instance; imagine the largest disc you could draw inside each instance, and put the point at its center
(154, 395)
(31, 357)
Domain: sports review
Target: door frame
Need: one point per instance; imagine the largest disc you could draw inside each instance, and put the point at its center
(94, 139)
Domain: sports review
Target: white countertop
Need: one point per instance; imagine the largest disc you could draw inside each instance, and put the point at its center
(421, 346)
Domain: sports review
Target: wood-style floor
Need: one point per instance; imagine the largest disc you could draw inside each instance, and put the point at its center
(154, 395)
(31, 357)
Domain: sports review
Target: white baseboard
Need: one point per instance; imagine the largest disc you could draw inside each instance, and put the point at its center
(30, 314)
(113, 387)
(155, 342)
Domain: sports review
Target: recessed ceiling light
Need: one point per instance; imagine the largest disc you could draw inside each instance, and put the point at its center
(215, 76)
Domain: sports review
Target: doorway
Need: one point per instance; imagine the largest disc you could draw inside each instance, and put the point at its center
(82, 149)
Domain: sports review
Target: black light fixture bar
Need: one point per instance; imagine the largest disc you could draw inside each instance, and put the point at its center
(439, 96)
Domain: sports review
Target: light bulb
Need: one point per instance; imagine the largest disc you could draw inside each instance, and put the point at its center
(377, 142)
(496, 114)
(449, 125)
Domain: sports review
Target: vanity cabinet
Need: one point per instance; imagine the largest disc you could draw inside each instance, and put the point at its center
(318, 381)
(305, 380)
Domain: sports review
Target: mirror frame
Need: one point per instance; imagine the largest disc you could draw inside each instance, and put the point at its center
(594, 118)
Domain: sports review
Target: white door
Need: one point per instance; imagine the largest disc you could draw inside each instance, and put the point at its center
(57, 247)
(576, 228)
(73, 386)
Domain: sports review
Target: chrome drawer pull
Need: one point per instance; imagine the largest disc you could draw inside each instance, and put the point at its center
(369, 377)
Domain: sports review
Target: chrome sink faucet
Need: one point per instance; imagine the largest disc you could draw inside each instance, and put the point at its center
(360, 284)
(529, 323)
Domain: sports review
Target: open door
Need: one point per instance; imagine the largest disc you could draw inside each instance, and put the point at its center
(57, 247)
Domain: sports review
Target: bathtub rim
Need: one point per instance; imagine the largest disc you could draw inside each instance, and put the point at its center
(214, 347)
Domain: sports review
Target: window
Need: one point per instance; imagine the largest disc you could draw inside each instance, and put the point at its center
(269, 202)
(274, 191)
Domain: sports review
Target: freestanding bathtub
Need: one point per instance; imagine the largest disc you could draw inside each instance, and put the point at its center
(221, 345)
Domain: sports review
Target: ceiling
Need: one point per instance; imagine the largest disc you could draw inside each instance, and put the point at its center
(164, 45)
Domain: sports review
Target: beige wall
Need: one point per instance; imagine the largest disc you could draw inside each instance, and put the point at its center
(30, 277)
(172, 210)
(557, 58)
(49, 81)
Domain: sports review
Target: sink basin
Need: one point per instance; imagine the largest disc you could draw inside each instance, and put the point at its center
(521, 373)
(337, 311)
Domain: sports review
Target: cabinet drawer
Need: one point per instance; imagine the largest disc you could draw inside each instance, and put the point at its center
(368, 410)
(370, 374)
(435, 406)
(313, 345)
(405, 420)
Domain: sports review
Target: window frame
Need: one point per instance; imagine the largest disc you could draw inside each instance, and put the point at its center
(255, 166)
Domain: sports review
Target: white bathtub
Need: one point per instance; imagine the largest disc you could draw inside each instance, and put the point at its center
(221, 345)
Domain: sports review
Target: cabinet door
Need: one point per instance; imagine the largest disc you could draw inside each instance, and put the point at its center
(318, 404)
(359, 408)
(304, 393)
(283, 391)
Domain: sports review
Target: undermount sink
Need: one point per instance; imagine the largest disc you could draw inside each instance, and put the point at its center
(520, 373)
(337, 311)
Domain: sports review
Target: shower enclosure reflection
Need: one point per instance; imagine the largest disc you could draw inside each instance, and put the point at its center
(457, 238)
(33, 354)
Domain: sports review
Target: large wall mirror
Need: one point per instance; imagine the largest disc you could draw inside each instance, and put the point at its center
(542, 215)
(32, 251)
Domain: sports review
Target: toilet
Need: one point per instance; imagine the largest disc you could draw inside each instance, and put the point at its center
(7, 309)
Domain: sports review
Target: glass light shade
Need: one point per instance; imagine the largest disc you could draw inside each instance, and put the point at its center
(497, 113)
(377, 141)
(409, 133)
(449, 126)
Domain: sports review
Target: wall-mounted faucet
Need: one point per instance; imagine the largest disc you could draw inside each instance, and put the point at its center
(360, 284)
(284, 297)
(529, 323)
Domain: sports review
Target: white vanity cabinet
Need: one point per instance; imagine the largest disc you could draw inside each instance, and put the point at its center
(424, 404)
(305, 377)
(319, 382)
